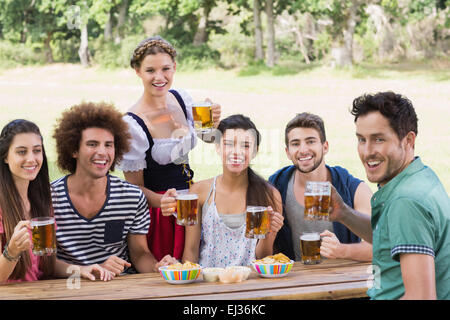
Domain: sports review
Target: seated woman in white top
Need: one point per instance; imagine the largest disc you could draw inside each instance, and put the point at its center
(218, 240)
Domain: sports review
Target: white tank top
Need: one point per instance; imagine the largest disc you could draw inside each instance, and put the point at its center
(222, 246)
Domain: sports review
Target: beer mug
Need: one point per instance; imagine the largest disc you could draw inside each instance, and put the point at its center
(310, 247)
(43, 236)
(317, 200)
(257, 222)
(187, 208)
(202, 114)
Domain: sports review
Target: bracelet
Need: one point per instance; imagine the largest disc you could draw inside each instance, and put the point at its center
(7, 256)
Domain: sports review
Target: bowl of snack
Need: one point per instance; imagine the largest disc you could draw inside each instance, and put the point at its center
(181, 273)
(234, 274)
(274, 266)
(242, 269)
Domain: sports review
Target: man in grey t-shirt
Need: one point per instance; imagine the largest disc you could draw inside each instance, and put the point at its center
(306, 147)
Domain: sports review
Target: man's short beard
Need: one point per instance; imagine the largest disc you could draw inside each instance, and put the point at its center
(316, 165)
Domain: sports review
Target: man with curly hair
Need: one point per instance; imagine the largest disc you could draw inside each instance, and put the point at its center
(100, 217)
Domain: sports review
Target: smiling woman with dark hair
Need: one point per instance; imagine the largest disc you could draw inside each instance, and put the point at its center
(25, 194)
(219, 240)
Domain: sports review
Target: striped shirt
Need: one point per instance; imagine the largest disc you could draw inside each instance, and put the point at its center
(84, 241)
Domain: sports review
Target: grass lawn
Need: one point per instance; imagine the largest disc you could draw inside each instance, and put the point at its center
(40, 94)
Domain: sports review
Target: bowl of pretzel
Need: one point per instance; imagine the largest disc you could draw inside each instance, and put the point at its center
(181, 273)
(273, 266)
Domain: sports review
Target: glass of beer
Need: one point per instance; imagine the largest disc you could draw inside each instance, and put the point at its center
(310, 247)
(317, 200)
(43, 236)
(202, 116)
(187, 208)
(257, 222)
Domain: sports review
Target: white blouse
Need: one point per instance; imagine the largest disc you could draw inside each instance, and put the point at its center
(164, 150)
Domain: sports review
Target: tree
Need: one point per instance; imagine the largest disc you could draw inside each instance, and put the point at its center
(258, 36)
(202, 33)
(33, 20)
(270, 34)
(103, 12)
(344, 17)
(123, 9)
(16, 17)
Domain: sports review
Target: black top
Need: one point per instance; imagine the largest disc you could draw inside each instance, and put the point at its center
(162, 177)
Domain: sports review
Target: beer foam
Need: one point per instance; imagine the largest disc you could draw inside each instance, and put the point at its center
(187, 196)
(202, 104)
(40, 223)
(317, 193)
(256, 209)
(310, 237)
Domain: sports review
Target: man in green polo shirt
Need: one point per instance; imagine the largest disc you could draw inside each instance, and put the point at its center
(410, 223)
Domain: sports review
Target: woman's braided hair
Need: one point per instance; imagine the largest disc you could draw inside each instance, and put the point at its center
(152, 45)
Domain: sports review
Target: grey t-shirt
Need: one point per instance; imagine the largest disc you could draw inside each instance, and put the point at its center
(295, 214)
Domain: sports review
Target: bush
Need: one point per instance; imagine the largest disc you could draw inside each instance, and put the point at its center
(111, 55)
(279, 70)
(66, 50)
(17, 54)
(192, 57)
(253, 68)
(235, 47)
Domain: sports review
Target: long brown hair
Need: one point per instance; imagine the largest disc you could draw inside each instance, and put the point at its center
(39, 196)
(259, 191)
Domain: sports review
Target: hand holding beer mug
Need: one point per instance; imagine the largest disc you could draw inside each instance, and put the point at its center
(276, 220)
(203, 121)
(20, 240)
(43, 236)
(169, 202)
(330, 246)
(187, 208)
(257, 222)
(310, 247)
(317, 200)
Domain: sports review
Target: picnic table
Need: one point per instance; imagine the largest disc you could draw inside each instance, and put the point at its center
(332, 279)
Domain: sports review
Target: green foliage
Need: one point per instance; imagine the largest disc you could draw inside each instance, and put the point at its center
(283, 68)
(65, 49)
(17, 54)
(39, 28)
(192, 57)
(322, 45)
(253, 68)
(235, 47)
(111, 55)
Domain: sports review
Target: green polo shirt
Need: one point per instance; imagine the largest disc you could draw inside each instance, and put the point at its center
(410, 214)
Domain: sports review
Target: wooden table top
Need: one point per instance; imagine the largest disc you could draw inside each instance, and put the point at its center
(332, 279)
